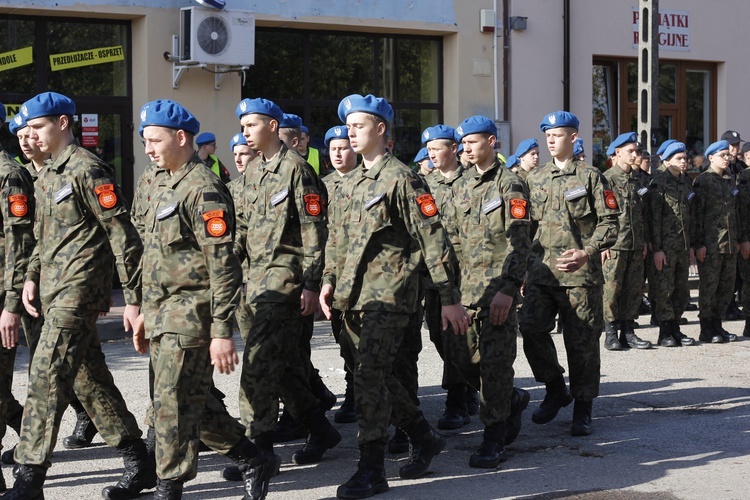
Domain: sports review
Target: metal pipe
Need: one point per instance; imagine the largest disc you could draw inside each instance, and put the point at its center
(566, 55)
(494, 60)
(506, 62)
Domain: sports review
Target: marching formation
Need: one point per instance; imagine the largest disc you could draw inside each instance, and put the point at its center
(479, 247)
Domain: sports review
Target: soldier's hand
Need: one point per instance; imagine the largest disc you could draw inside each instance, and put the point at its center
(223, 355)
(326, 299)
(129, 316)
(745, 250)
(572, 260)
(456, 317)
(605, 255)
(660, 260)
(28, 295)
(500, 307)
(700, 254)
(308, 302)
(9, 326)
(140, 342)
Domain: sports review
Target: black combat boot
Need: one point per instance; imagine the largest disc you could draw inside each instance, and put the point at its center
(519, 400)
(611, 343)
(491, 452)
(287, 429)
(666, 337)
(236, 472)
(168, 489)
(139, 474)
(399, 443)
(347, 412)
(7, 457)
(258, 466)
(557, 397)
(425, 443)
(680, 337)
(456, 414)
(323, 436)
(29, 483)
(745, 333)
(728, 337)
(325, 397)
(472, 400)
(628, 338)
(708, 334)
(370, 477)
(150, 441)
(84, 431)
(581, 418)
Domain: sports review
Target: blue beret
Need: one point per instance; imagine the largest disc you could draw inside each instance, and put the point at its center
(673, 149)
(664, 145)
(611, 149)
(460, 148)
(438, 132)
(303, 128)
(715, 147)
(48, 104)
(512, 161)
(623, 139)
(421, 155)
(337, 132)
(169, 114)
(559, 119)
(237, 140)
(259, 106)
(368, 104)
(16, 123)
(476, 124)
(526, 146)
(290, 120)
(205, 138)
(3, 114)
(578, 147)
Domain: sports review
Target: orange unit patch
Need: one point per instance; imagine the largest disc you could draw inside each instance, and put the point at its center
(106, 194)
(518, 208)
(610, 200)
(18, 205)
(313, 204)
(213, 214)
(216, 226)
(427, 205)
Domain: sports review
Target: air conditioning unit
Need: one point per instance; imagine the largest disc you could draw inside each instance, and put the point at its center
(221, 37)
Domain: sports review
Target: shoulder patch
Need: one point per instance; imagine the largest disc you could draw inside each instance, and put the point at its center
(106, 195)
(609, 199)
(516, 188)
(417, 184)
(14, 182)
(313, 204)
(19, 205)
(211, 196)
(427, 205)
(216, 226)
(518, 208)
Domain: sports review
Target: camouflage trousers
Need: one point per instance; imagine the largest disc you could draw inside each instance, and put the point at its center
(716, 288)
(273, 368)
(373, 340)
(243, 315)
(10, 409)
(484, 357)
(337, 326)
(623, 285)
(580, 309)
(452, 379)
(669, 288)
(405, 367)
(69, 358)
(185, 410)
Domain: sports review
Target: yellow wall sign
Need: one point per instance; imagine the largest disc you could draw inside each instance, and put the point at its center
(16, 58)
(86, 58)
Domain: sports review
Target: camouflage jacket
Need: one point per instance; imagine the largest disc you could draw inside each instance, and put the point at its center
(576, 210)
(281, 228)
(716, 205)
(441, 189)
(17, 236)
(630, 192)
(235, 190)
(142, 197)
(492, 215)
(743, 210)
(390, 225)
(191, 276)
(83, 230)
(338, 197)
(670, 212)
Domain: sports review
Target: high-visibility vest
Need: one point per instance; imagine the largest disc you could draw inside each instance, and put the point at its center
(313, 158)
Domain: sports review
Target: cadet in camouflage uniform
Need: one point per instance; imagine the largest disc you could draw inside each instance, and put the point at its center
(622, 264)
(577, 214)
(527, 153)
(391, 225)
(188, 315)
(489, 207)
(716, 237)
(743, 267)
(669, 202)
(82, 229)
(281, 232)
(16, 244)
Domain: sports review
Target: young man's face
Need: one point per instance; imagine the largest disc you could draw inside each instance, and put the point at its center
(304, 139)
(47, 133)
(366, 133)
(209, 148)
(442, 153)
(289, 137)
(720, 159)
(260, 131)
(746, 156)
(479, 148)
(162, 146)
(29, 148)
(626, 154)
(678, 163)
(243, 155)
(645, 163)
(530, 160)
(343, 158)
(734, 150)
(560, 142)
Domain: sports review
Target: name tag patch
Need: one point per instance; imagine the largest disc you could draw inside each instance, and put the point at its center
(66, 191)
(279, 197)
(575, 193)
(642, 191)
(491, 205)
(373, 201)
(166, 211)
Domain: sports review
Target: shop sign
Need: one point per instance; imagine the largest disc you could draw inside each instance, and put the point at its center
(16, 58)
(674, 29)
(86, 58)
(89, 130)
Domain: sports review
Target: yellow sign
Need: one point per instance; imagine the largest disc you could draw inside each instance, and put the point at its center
(16, 58)
(86, 58)
(11, 110)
